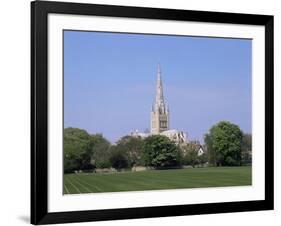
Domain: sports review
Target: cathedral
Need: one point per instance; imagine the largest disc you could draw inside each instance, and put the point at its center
(160, 117)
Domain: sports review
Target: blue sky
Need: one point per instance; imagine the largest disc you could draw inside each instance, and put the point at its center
(110, 82)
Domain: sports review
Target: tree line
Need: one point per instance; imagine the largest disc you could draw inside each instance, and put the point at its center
(225, 145)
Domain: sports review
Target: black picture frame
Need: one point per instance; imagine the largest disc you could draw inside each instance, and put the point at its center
(39, 112)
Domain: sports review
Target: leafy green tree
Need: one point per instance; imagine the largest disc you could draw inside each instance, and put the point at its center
(100, 151)
(211, 153)
(77, 150)
(224, 143)
(118, 158)
(191, 155)
(133, 147)
(191, 158)
(202, 159)
(246, 152)
(159, 151)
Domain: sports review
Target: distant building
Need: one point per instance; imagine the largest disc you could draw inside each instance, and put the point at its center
(178, 136)
(200, 151)
(160, 117)
(136, 133)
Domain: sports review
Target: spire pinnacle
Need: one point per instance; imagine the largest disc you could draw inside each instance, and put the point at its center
(159, 70)
(159, 89)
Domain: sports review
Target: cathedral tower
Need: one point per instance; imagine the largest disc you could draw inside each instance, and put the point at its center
(159, 111)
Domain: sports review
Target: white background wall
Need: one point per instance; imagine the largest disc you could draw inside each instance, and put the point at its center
(15, 113)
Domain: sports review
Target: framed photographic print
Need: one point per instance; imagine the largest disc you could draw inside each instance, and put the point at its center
(145, 112)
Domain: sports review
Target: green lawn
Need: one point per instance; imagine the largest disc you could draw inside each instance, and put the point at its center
(157, 179)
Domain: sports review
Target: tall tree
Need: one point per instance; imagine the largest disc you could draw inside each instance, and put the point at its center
(224, 142)
(118, 157)
(159, 151)
(133, 147)
(100, 151)
(211, 153)
(77, 150)
(191, 155)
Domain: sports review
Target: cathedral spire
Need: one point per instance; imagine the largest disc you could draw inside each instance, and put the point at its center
(159, 90)
(159, 112)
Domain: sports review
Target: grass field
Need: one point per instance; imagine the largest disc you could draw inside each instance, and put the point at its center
(157, 179)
